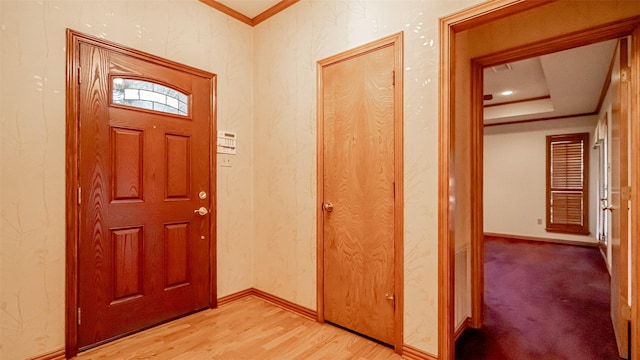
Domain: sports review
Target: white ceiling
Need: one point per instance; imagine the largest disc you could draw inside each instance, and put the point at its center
(572, 80)
(249, 8)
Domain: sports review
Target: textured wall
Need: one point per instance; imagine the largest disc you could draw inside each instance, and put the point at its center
(266, 92)
(287, 48)
(32, 123)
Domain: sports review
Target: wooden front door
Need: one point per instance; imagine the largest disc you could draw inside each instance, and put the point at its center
(359, 181)
(620, 194)
(144, 170)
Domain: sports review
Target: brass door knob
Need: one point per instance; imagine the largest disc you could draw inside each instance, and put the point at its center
(328, 207)
(202, 211)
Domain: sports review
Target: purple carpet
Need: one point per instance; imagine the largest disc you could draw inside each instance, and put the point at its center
(542, 301)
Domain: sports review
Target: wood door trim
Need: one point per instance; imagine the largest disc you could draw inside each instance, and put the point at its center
(395, 40)
(569, 40)
(625, 171)
(72, 90)
(449, 26)
(635, 195)
(487, 12)
(213, 181)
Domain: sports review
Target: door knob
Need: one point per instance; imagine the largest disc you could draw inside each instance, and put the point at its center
(202, 211)
(328, 207)
(610, 208)
(388, 296)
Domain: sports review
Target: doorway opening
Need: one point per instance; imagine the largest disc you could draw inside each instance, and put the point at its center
(477, 34)
(527, 103)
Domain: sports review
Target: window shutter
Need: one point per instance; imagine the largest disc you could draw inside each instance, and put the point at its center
(567, 183)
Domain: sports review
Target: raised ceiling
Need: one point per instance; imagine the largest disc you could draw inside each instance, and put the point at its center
(565, 83)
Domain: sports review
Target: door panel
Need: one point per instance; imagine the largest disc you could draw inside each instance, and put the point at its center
(127, 268)
(143, 252)
(176, 241)
(358, 181)
(619, 211)
(126, 156)
(178, 154)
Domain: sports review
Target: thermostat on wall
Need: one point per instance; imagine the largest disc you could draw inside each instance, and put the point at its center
(226, 142)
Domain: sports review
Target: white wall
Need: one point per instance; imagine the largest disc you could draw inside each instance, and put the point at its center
(32, 123)
(515, 178)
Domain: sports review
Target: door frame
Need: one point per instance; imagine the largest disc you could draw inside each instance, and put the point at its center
(602, 216)
(450, 26)
(74, 40)
(395, 40)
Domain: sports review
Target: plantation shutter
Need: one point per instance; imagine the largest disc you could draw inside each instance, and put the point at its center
(567, 183)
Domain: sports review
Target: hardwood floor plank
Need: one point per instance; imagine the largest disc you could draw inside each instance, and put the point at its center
(248, 328)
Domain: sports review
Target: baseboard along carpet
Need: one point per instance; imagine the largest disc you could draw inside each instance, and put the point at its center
(542, 301)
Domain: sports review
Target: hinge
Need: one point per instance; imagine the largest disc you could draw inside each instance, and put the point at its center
(625, 74)
(625, 193)
(79, 316)
(79, 195)
(79, 72)
(393, 78)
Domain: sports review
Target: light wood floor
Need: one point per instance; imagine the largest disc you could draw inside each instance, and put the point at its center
(249, 328)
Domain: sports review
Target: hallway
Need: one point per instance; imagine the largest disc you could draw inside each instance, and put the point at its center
(542, 301)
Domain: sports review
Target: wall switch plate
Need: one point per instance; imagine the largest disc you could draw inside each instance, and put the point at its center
(539, 221)
(225, 161)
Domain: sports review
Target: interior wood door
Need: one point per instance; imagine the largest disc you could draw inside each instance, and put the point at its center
(619, 234)
(358, 188)
(143, 253)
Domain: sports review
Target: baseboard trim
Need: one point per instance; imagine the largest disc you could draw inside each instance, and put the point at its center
(463, 326)
(235, 296)
(534, 238)
(277, 301)
(59, 354)
(286, 304)
(411, 353)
